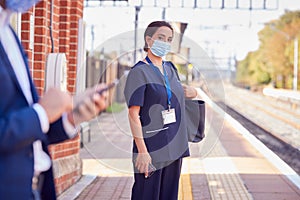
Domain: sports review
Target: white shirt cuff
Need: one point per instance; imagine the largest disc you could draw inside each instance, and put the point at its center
(44, 121)
(69, 128)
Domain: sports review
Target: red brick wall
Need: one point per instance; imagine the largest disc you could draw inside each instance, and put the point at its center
(25, 35)
(66, 13)
(64, 27)
(76, 14)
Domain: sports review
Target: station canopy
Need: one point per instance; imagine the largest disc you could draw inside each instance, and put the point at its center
(201, 4)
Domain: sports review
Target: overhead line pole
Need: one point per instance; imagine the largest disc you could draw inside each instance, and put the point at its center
(137, 10)
(295, 80)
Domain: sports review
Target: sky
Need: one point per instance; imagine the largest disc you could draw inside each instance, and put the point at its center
(222, 33)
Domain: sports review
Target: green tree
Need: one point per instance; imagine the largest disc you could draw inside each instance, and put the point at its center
(274, 60)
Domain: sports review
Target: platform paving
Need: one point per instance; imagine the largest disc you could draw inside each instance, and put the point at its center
(224, 166)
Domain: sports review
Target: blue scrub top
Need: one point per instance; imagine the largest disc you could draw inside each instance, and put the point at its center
(145, 88)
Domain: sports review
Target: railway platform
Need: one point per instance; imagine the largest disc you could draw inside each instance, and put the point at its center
(228, 164)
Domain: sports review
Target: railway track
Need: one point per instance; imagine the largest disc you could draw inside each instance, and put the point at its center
(284, 150)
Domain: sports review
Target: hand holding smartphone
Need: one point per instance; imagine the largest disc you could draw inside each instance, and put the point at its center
(88, 109)
(108, 87)
(151, 170)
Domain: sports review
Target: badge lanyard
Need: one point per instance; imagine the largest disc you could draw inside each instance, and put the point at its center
(167, 83)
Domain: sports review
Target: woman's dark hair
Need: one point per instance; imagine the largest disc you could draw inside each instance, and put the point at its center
(152, 28)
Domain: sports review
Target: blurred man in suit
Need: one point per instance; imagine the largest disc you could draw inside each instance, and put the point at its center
(28, 124)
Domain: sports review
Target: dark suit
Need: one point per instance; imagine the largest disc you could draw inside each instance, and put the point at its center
(19, 128)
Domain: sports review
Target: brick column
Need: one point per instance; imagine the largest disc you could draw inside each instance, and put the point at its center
(64, 27)
(67, 163)
(41, 44)
(25, 36)
(66, 13)
(76, 14)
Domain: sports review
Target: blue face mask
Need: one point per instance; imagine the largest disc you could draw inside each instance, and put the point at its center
(20, 6)
(160, 48)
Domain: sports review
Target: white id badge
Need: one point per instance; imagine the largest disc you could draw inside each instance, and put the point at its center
(168, 116)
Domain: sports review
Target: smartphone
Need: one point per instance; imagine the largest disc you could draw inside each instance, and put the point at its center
(151, 170)
(109, 86)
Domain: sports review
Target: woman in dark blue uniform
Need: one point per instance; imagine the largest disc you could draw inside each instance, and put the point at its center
(155, 98)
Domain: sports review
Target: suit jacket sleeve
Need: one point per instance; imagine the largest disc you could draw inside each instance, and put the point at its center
(57, 132)
(19, 129)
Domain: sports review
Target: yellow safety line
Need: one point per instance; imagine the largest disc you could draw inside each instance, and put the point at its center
(185, 186)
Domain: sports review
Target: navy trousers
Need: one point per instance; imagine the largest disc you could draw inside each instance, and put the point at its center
(162, 185)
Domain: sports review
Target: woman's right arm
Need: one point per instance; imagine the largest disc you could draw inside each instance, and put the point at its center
(143, 158)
